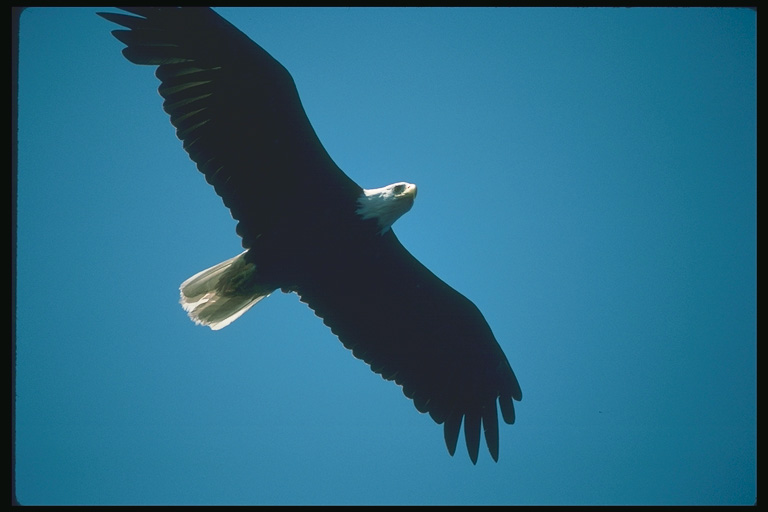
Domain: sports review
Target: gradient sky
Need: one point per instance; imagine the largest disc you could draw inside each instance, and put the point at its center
(586, 176)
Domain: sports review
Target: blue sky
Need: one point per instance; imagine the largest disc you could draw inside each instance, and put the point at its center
(586, 176)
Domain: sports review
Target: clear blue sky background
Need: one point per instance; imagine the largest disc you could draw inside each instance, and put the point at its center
(586, 176)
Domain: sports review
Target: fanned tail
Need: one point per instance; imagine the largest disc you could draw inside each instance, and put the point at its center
(218, 296)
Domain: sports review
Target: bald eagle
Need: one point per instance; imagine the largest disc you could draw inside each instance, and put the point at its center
(307, 228)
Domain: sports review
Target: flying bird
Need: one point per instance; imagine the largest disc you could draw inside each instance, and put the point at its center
(307, 228)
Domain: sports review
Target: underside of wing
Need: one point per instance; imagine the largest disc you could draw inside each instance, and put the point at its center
(414, 329)
(238, 113)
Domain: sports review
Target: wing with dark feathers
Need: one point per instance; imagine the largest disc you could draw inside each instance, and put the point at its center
(411, 327)
(238, 113)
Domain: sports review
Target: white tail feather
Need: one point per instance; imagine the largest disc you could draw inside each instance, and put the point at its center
(218, 296)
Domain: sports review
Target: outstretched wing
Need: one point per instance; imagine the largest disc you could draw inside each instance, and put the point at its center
(411, 327)
(238, 113)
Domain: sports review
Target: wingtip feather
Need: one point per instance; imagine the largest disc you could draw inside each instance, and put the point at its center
(472, 434)
(451, 432)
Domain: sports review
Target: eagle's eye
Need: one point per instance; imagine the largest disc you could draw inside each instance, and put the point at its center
(399, 189)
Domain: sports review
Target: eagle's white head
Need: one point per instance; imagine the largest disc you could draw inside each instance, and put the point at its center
(386, 204)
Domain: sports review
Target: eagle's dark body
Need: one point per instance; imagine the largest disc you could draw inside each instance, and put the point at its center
(238, 113)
